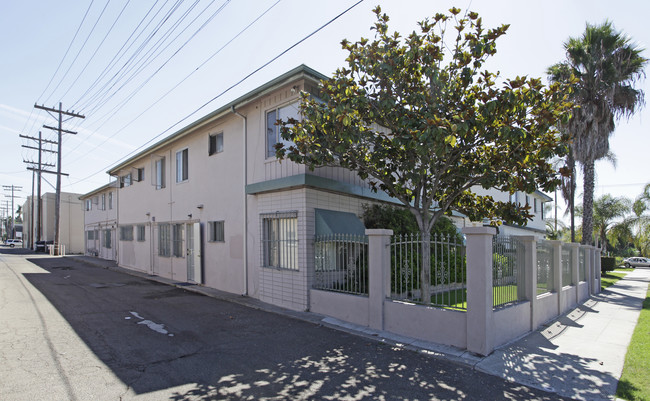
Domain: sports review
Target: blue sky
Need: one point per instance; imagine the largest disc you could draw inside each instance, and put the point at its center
(37, 34)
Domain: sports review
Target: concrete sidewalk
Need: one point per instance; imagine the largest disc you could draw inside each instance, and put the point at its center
(579, 355)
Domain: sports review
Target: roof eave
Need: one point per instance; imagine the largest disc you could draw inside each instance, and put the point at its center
(299, 72)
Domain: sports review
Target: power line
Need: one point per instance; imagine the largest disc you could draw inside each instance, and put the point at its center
(110, 63)
(116, 76)
(121, 104)
(151, 55)
(229, 88)
(173, 88)
(83, 45)
(97, 49)
(66, 52)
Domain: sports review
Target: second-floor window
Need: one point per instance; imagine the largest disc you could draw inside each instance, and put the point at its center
(215, 143)
(181, 165)
(160, 173)
(110, 201)
(126, 180)
(89, 204)
(103, 201)
(139, 174)
(273, 134)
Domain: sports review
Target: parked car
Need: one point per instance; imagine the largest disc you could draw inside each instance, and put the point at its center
(14, 241)
(636, 262)
(41, 246)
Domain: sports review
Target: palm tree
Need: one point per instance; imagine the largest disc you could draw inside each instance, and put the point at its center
(609, 217)
(602, 68)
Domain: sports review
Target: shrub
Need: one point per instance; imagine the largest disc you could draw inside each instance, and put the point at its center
(607, 264)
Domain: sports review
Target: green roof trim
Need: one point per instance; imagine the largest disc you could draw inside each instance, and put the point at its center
(314, 181)
(329, 222)
(327, 184)
(299, 72)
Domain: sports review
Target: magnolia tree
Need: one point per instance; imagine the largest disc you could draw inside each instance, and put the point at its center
(419, 119)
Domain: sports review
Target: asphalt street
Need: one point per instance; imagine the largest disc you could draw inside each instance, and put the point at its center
(72, 331)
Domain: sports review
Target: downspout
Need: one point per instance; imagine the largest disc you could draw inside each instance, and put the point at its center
(232, 108)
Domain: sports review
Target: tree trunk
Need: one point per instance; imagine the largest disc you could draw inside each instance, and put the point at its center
(588, 203)
(425, 266)
(572, 195)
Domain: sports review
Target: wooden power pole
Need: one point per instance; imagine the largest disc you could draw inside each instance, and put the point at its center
(37, 168)
(60, 131)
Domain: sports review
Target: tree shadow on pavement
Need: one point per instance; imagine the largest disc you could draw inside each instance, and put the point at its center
(154, 338)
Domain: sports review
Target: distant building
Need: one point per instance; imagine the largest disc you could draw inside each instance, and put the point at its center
(100, 221)
(71, 221)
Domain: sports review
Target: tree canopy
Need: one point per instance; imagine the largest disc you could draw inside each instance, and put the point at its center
(420, 119)
(423, 122)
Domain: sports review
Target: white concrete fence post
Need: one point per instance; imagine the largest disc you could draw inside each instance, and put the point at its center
(378, 275)
(479, 289)
(597, 271)
(530, 274)
(575, 262)
(557, 272)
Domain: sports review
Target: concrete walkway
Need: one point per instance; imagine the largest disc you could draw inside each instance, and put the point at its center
(579, 355)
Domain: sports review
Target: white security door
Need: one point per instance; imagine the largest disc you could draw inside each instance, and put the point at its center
(193, 236)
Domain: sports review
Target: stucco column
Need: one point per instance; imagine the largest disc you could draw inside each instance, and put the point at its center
(378, 275)
(530, 274)
(479, 289)
(557, 272)
(597, 271)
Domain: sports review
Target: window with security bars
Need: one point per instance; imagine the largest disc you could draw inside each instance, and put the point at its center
(141, 231)
(280, 240)
(164, 237)
(126, 233)
(177, 240)
(216, 231)
(107, 239)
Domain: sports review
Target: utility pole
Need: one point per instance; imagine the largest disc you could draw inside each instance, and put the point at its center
(12, 188)
(61, 131)
(37, 167)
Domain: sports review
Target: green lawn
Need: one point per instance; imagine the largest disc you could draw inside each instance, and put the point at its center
(611, 277)
(457, 299)
(634, 383)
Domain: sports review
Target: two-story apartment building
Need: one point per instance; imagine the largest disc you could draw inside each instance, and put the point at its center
(211, 204)
(100, 221)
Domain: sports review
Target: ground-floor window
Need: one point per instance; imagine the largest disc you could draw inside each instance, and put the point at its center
(126, 233)
(107, 239)
(90, 235)
(164, 239)
(216, 231)
(141, 231)
(177, 240)
(280, 240)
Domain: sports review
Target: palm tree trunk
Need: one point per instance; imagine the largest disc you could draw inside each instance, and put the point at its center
(588, 170)
(572, 194)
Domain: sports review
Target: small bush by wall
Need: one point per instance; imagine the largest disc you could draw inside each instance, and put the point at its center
(607, 264)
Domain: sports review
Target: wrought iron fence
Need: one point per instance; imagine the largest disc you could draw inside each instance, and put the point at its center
(507, 270)
(341, 263)
(544, 267)
(447, 286)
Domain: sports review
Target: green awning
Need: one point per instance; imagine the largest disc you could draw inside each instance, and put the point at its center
(333, 222)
